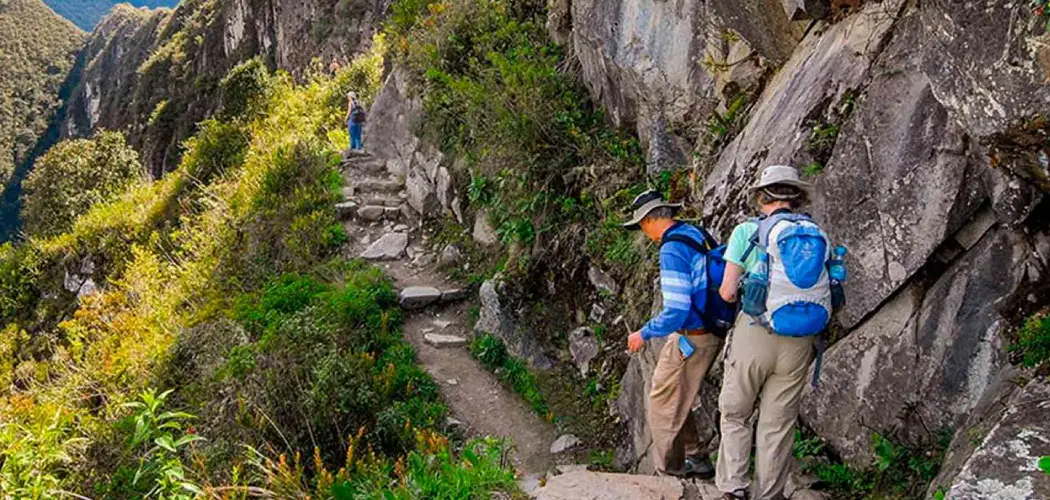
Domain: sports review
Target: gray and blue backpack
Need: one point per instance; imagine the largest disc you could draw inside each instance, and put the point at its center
(789, 291)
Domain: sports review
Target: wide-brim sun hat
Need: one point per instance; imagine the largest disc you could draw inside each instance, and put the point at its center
(781, 175)
(645, 203)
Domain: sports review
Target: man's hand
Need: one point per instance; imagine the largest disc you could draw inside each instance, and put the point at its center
(635, 342)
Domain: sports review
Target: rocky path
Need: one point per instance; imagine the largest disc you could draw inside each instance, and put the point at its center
(383, 229)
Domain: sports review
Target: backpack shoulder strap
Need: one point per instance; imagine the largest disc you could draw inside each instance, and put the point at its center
(766, 224)
(681, 238)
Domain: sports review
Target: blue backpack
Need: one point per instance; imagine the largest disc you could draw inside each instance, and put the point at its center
(719, 315)
(789, 290)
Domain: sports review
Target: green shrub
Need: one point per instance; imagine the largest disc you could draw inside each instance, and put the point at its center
(245, 88)
(1033, 341)
(494, 95)
(73, 176)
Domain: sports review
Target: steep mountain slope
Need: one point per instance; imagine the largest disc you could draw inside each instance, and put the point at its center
(87, 13)
(37, 50)
(155, 74)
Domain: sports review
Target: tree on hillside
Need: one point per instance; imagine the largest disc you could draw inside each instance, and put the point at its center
(73, 176)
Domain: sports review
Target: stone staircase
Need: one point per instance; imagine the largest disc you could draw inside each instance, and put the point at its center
(371, 194)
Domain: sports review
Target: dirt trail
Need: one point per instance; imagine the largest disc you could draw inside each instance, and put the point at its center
(473, 394)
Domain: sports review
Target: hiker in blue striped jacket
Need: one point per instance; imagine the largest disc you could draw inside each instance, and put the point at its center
(689, 349)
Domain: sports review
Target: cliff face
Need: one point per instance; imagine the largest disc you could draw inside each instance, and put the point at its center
(922, 126)
(155, 73)
(37, 49)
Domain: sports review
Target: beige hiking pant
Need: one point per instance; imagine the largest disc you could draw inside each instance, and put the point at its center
(676, 384)
(772, 368)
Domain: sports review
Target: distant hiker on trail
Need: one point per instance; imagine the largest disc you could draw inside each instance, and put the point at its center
(355, 119)
(784, 259)
(694, 319)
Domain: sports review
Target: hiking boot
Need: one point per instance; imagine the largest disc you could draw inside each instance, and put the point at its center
(700, 467)
(740, 494)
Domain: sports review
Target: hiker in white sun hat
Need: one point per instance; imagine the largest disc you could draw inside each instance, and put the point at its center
(786, 305)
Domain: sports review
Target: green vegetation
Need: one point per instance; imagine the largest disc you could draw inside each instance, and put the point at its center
(494, 95)
(87, 13)
(1042, 8)
(897, 471)
(227, 339)
(37, 49)
(72, 177)
(813, 169)
(1033, 341)
(1044, 464)
(722, 127)
(493, 355)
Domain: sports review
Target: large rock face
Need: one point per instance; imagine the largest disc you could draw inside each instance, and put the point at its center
(946, 250)
(393, 135)
(659, 66)
(139, 73)
(1005, 463)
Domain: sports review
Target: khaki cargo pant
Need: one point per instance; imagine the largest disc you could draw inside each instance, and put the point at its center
(676, 384)
(772, 368)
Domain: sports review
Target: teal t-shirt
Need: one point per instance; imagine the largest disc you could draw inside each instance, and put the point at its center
(738, 243)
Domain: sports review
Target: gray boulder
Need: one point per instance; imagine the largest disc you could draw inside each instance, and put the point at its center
(656, 65)
(390, 246)
(450, 257)
(602, 281)
(987, 62)
(1005, 464)
(900, 180)
(583, 347)
(483, 231)
(564, 443)
(371, 212)
(395, 116)
(499, 319)
(421, 195)
(925, 359)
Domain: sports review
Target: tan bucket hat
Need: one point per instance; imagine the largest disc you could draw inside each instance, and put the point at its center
(782, 175)
(645, 203)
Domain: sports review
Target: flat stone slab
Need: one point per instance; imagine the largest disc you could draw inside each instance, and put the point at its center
(345, 210)
(564, 443)
(583, 484)
(417, 297)
(370, 212)
(455, 295)
(440, 340)
(390, 246)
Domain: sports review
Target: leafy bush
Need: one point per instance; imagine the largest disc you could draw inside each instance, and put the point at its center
(897, 471)
(494, 95)
(72, 177)
(1033, 341)
(244, 89)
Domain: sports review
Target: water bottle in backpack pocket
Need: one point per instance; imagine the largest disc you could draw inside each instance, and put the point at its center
(756, 289)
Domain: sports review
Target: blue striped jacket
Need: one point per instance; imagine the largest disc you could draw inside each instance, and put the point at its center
(684, 291)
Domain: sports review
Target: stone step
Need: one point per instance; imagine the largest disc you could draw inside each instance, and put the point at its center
(374, 185)
(418, 297)
(441, 340)
(365, 167)
(378, 212)
(380, 200)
